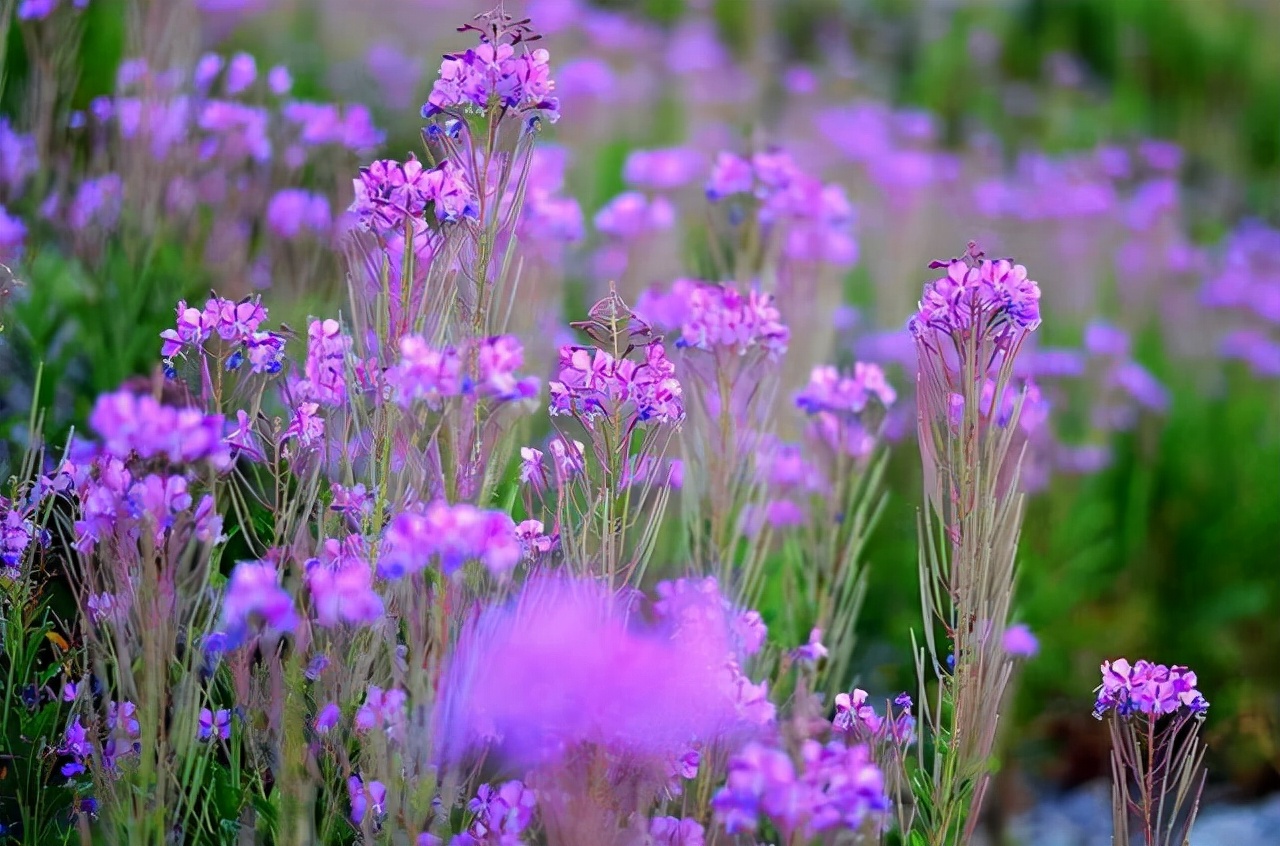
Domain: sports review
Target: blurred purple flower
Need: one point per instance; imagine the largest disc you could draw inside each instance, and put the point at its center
(254, 600)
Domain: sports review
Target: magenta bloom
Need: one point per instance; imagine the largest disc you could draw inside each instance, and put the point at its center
(495, 74)
(713, 317)
(1146, 688)
(451, 535)
(343, 593)
(836, 787)
(848, 394)
(1019, 641)
(993, 297)
(254, 600)
(130, 424)
(592, 383)
(215, 724)
(366, 798)
(541, 674)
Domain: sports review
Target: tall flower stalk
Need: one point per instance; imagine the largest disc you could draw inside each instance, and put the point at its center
(1154, 714)
(968, 331)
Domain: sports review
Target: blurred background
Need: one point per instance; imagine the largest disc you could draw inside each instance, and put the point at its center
(1127, 151)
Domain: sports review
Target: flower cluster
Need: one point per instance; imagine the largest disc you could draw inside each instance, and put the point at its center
(342, 591)
(131, 425)
(711, 317)
(846, 394)
(986, 296)
(497, 73)
(451, 534)
(836, 787)
(592, 383)
(857, 717)
(818, 217)
(325, 381)
(236, 324)
(501, 814)
(388, 192)
(1146, 688)
(254, 600)
(430, 375)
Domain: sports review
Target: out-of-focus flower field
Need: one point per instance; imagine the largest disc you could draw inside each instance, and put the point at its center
(357, 391)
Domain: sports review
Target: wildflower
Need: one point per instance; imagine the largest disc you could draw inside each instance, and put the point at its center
(498, 73)
(712, 317)
(293, 211)
(241, 438)
(215, 724)
(673, 831)
(559, 637)
(1019, 641)
(662, 169)
(533, 538)
(382, 710)
(632, 215)
(813, 651)
(366, 797)
(343, 593)
(306, 426)
(453, 534)
(532, 470)
(987, 297)
(1146, 688)
(845, 394)
(254, 599)
(425, 374)
(837, 787)
(77, 744)
(242, 70)
(279, 81)
(327, 718)
(139, 425)
(591, 383)
(505, 812)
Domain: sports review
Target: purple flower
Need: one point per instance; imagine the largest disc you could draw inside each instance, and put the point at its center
(384, 710)
(365, 798)
(425, 374)
(130, 424)
(495, 74)
(97, 202)
(242, 70)
(533, 539)
(672, 831)
(813, 651)
(837, 787)
(711, 317)
(989, 297)
(592, 383)
(1020, 642)
(502, 813)
(292, 211)
(306, 426)
(326, 365)
(327, 718)
(662, 170)
(632, 215)
(343, 593)
(215, 724)
(730, 175)
(532, 471)
(254, 600)
(279, 81)
(77, 744)
(1145, 688)
(451, 534)
(846, 394)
